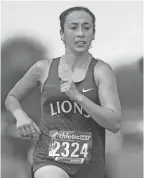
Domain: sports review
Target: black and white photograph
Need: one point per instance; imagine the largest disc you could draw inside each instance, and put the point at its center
(71, 89)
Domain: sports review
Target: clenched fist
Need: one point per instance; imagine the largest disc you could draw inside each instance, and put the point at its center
(69, 88)
(27, 128)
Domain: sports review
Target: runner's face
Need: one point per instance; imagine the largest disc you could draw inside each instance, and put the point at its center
(78, 31)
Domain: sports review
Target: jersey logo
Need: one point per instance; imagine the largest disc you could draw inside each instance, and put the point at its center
(55, 134)
(86, 90)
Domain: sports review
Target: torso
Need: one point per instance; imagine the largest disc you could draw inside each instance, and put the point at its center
(58, 112)
(56, 104)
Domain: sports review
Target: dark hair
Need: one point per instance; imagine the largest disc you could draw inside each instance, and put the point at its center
(66, 12)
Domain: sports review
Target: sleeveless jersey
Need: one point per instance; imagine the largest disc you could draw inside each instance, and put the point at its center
(58, 112)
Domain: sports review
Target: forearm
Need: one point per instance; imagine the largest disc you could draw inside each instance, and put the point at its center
(13, 105)
(105, 117)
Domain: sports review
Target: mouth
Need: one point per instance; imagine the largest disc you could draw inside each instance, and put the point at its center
(80, 42)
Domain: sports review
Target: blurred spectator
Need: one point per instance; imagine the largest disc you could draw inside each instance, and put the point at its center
(18, 55)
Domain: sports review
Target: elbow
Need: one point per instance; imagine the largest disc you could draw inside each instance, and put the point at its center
(116, 126)
(10, 99)
(7, 101)
(116, 129)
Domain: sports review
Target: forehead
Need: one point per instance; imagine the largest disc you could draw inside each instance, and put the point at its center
(78, 17)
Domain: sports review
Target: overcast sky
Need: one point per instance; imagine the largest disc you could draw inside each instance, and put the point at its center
(118, 27)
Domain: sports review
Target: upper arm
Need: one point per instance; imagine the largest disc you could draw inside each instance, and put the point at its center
(28, 82)
(107, 87)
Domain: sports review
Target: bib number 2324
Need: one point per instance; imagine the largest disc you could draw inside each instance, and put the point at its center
(70, 146)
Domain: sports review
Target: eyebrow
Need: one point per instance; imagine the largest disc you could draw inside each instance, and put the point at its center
(74, 23)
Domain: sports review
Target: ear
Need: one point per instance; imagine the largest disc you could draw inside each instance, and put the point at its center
(62, 35)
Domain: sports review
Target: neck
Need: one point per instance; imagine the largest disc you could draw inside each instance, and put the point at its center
(75, 60)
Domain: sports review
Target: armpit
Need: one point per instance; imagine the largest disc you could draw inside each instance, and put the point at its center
(44, 71)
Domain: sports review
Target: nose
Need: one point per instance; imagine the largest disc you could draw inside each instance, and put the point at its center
(80, 32)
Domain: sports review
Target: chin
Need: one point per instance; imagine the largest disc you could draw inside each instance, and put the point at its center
(81, 50)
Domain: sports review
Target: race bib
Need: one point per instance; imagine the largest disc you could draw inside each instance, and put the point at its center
(70, 146)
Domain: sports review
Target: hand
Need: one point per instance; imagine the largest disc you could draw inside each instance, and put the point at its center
(27, 128)
(69, 88)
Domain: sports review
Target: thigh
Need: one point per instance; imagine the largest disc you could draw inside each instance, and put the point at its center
(50, 171)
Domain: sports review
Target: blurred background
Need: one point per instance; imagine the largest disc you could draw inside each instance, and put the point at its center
(30, 32)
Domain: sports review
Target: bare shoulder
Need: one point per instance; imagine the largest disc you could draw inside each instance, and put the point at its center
(42, 64)
(102, 67)
(103, 71)
(38, 69)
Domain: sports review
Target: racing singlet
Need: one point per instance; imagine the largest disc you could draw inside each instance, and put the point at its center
(72, 137)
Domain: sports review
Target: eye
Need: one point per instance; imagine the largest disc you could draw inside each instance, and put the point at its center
(86, 27)
(73, 27)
